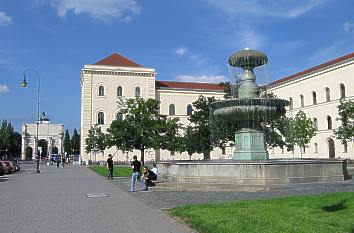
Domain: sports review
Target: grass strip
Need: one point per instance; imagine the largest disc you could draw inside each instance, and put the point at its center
(118, 171)
(325, 213)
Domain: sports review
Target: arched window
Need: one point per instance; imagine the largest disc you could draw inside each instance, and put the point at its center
(291, 103)
(314, 98)
(328, 94)
(100, 118)
(119, 91)
(137, 92)
(342, 90)
(302, 100)
(119, 116)
(315, 123)
(189, 110)
(171, 110)
(101, 91)
(223, 150)
(329, 122)
(172, 153)
(345, 147)
(282, 149)
(316, 147)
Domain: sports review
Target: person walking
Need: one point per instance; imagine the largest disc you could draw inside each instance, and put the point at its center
(110, 166)
(63, 161)
(136, 176)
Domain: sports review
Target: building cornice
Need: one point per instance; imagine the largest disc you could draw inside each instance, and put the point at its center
(137, 73)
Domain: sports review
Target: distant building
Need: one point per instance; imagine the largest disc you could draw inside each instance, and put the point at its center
(50, 139)
(316, 91)
(115, 77)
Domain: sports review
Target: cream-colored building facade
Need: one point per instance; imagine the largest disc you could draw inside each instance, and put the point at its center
(51, 134)
(317, 91)
(106, 82)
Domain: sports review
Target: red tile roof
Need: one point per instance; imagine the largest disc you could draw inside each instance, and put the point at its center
(117, 60)
(188, 85)
(312, 69)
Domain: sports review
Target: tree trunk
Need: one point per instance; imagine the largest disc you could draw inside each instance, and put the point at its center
(142, 151)
(206, 155)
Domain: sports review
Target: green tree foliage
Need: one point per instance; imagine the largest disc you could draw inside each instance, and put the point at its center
(345, 132)
(96, 140)
(201, 133)
(67, 143)
(75, 142)
(10, 141)
(299, 131)
(227, 89)
(143, 128)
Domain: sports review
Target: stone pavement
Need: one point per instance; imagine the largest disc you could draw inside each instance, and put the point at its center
(55, 201)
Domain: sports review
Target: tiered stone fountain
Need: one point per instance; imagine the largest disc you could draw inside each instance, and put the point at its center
(250, 169)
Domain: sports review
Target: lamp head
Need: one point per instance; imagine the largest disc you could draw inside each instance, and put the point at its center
(24, 82)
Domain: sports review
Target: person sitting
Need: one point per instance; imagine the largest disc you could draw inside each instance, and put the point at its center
(148, 177)
(154, 168)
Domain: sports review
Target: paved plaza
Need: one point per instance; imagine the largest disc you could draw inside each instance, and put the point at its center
(56, 201)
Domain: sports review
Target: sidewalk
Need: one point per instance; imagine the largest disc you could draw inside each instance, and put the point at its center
(55, 201)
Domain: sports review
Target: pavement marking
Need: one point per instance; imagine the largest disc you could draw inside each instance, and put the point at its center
(96, 195)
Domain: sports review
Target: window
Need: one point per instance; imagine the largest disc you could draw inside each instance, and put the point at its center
(314, 98)
(119, 116)
(189, 110)
(328, 94)
(316, 148)
(329, 122)
(342, 91)
(137, 92)
(291, 103)
(101, 91)
(171, 110)
(172, 153)
(345, 147)
(119, 91)
(282, 149)
(315, 123)
(302, 100)
(223, 150)
(100, 118)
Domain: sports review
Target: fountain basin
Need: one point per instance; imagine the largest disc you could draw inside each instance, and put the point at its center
(250, 175)
(249, 109)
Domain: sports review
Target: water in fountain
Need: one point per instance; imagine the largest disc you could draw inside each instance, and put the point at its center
(249, 110)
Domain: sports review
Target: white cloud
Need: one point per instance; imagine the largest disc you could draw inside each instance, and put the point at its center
(4, 89)
(104, 10)
(181, 51)
(202, 79)
(348, 26)
(281, 8)
(4, 18)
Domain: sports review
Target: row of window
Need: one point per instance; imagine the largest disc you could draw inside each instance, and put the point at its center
(314, 96)
(329, 122)
(137, 91)
(119, 115)
(315, 146)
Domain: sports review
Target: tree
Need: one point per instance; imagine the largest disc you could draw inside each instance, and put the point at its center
(7, 139)
(300, 130)
(345, 132)
(67, 143)
(200, 121)
(96, 140)
(143, 127)
(75, 142)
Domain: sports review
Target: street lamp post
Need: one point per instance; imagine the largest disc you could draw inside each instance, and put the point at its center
(24, 84)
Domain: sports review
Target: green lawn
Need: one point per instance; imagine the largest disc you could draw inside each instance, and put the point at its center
(121, 171)
(316, 213)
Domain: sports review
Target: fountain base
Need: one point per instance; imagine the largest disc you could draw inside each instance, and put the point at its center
(249, 145)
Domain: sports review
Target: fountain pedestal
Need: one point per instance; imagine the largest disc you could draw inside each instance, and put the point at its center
(249, 145)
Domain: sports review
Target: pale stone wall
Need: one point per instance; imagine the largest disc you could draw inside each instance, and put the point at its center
(330, 77)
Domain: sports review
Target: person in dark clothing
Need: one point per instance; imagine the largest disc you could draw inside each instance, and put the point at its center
(136, 168)
(148, 177)
(110, 166)
(63, 161)
(58, 161)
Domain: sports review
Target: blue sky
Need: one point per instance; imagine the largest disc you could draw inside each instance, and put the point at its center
(185, 40)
